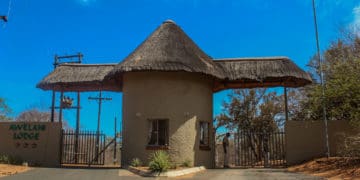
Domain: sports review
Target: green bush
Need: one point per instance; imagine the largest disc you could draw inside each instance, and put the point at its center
(136, 162)
(351, 146)
(6, 159)
(186, 163)
(159, 161)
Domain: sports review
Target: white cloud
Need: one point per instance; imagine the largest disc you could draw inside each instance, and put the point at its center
(85, 2)
(355, 24)
(356, 13)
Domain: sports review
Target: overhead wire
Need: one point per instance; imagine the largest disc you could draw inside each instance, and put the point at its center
(8, 12)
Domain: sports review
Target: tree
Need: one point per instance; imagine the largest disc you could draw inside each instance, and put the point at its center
(5, 110)
(342, 84)
(252, 112)
(34, 115)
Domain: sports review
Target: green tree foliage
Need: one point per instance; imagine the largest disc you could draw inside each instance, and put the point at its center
(342, 84)
(4, 110)
(255, 113)
(251, 110)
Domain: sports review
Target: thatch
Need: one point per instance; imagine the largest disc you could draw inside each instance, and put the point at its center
(79, 77)
(261, 72)
(168, 48)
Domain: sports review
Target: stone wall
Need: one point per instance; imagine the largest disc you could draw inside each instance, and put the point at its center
(34, 142)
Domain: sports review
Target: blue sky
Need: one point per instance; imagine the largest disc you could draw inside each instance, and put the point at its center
(106, 31)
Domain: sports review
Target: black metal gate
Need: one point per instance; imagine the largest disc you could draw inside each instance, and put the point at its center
(259, 149)
(85, 147)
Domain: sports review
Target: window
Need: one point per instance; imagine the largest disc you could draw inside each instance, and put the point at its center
(158, 133)
(204, 136)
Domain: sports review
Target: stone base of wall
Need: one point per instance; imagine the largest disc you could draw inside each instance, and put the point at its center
(171, 173)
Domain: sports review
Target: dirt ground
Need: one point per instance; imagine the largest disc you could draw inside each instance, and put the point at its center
(6, 170)
(332, 168)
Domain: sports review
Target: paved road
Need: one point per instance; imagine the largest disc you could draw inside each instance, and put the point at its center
(112, 174)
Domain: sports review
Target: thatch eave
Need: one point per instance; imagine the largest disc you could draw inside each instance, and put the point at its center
(80, 77)
(260, 72)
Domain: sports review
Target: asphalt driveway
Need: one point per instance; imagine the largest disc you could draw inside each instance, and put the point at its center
(112, 174)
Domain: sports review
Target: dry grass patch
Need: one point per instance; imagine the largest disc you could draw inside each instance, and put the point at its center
(332, 168)
(6, 169)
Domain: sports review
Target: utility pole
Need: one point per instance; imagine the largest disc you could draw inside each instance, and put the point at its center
(99, 99)
(321, 81)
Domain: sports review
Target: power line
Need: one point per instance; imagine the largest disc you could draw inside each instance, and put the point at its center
(5, 17)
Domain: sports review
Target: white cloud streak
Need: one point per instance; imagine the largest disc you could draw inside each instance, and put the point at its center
(86, 2)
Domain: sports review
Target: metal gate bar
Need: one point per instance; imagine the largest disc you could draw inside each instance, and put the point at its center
(86, 148)
(259, 149)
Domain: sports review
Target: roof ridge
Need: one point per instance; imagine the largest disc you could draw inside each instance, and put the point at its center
(269, 58)
(95, 64)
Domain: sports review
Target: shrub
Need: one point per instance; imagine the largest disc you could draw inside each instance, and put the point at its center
(351, 146)
(6, 159)
(159, 161)
(186, 163)
(136, 162)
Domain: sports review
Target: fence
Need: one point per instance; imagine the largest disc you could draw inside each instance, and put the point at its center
(259, 149)
(82, 148)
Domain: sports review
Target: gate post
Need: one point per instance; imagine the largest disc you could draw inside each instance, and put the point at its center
(61, 146)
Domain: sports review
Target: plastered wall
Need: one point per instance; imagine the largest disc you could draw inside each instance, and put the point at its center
(305, 140)
(34, 142)
(184, 99)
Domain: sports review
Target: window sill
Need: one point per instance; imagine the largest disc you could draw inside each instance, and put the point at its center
(204, 147)
(149, 147)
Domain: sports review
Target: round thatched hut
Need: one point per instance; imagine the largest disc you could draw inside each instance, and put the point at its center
(168, 84)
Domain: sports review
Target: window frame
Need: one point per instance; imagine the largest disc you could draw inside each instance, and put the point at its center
(156, 146)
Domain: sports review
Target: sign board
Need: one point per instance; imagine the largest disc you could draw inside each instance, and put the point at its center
(34, 142)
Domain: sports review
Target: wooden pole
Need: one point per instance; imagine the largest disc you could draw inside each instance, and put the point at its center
(53, 94)
(286, 105)
(99, 112)
(61, 106)
(77, 127)
(100, 99)
(52, 118)
(115, 137)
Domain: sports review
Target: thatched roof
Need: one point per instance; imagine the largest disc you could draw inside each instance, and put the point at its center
(79, 77)
(168, 48)
(260, 72)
